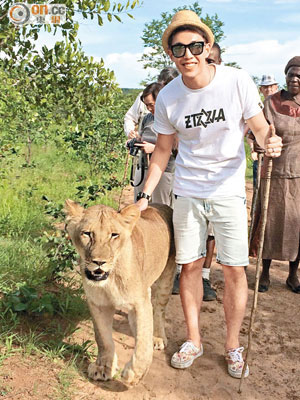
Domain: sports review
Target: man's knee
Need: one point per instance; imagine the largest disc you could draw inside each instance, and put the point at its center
(234, 274)
(194, 266)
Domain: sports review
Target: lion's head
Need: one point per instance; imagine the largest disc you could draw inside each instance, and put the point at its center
(99, 233)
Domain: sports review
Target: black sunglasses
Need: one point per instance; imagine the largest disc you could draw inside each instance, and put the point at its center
(179, 49)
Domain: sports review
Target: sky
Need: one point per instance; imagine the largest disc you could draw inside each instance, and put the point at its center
(260, 36)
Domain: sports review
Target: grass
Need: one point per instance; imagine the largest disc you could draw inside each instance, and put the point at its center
(33, 252)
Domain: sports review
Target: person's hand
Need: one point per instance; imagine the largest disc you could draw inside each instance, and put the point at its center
(133, 134)
(142, 204)
(254, 155)
(273, 143)
(146, 146)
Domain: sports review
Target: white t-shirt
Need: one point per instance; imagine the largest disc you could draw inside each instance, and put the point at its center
(209, 123)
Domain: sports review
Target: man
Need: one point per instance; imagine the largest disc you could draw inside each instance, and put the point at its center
(214, 55)
(268, 85)
(209, 293)
(207, 107)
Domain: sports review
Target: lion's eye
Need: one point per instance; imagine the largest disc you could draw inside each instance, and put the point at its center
(86, 233)
(114, 235)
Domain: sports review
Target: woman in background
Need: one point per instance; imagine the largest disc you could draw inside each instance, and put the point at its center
(282, 234)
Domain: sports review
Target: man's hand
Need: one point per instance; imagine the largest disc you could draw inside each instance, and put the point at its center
(142, 204)
(273, 143)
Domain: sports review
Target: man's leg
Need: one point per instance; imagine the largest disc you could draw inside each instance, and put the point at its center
(191, 294)
(234, 301)
(230, 225)
(190, 228)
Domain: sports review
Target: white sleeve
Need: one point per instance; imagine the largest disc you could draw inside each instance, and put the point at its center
(252, 104)
(133, 115)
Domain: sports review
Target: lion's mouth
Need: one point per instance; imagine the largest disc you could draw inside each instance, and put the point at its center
(96, 275)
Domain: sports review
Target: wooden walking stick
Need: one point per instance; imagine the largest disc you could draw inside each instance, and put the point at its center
(255, 195)
(265, 203)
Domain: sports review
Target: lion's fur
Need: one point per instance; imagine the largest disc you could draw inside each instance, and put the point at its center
(142, 254)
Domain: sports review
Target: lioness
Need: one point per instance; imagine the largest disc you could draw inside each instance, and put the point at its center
(122, 255)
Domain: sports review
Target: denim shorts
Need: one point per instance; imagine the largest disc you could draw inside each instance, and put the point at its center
(228, 217)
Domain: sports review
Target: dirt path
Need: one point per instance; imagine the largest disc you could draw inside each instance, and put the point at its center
(274, 365)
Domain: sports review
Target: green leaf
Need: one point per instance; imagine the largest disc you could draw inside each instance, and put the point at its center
(106, 5)
(100, 20)
(20, 307)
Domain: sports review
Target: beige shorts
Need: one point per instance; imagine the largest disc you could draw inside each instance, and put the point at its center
(228, 217)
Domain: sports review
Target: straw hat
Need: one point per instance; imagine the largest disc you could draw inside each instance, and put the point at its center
(186, 17)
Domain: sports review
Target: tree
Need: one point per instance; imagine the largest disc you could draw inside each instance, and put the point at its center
(51, 93)
(153, 31)
(16, 42)
(56, 90)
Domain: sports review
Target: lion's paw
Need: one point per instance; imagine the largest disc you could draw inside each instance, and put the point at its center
(159, 343)
(128, 374)
(99, 372)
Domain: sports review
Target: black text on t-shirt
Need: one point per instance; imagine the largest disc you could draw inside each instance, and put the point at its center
(203, 118)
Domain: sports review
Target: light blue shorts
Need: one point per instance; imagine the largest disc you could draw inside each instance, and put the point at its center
(228, 217)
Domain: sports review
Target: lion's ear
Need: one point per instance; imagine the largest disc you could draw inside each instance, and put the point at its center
(130, 215)
(72, 209)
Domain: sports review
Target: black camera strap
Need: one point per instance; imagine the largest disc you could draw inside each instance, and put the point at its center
(134, 165)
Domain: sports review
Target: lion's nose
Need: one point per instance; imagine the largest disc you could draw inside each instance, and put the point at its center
(99, 263)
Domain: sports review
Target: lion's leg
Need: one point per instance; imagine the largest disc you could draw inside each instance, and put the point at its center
(141, 359)
(106, 364)
(161, 292)
(132, 321)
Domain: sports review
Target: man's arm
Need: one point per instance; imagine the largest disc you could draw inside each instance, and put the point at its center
(158, 163)
(265, 135)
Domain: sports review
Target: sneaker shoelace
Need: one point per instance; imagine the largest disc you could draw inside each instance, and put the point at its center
(236, 354)
(189, 348)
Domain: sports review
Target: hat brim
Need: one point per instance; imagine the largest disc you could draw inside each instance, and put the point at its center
(176, 24)
(268, 83)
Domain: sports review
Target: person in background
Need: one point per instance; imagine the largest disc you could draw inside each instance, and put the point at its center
(282, 232)
(207, 106)
(214, 55)
(163, 191)
(268, 86)
(138, 122)
(134, 116)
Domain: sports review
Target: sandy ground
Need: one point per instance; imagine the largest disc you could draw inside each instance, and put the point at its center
(274, 362)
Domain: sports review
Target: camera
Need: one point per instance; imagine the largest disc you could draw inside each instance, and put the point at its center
(132, 146)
